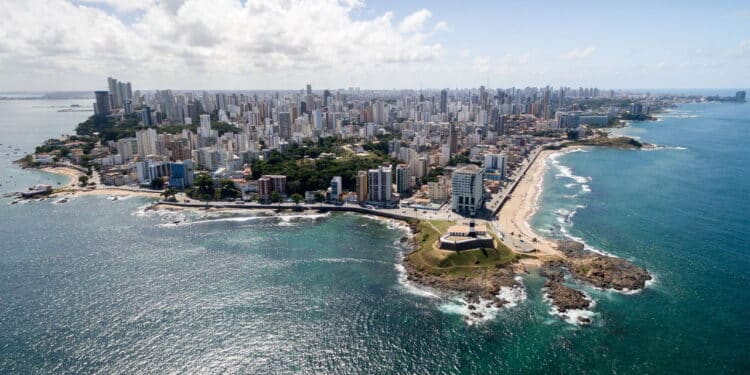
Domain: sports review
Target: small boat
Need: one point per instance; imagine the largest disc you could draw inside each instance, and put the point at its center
(63, 200)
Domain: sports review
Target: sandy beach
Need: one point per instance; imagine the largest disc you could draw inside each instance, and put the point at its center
(71, 173)
(521, 206)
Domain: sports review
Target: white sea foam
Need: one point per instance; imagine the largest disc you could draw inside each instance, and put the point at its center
(668, 148)
(586, 246)
(411, 287)
(347, 260)
(648, 284)
(571, 316)
(485, 310)
(207, 218)
(565, 171)
(585, 188)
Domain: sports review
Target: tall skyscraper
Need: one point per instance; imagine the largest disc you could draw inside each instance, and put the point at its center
(452, 138)
(146, 117)
(146, 140)
(379, 183)
(362, 189)
(468, 192)
(336, 188)
(403, 178)
(102, 105)
(285, 125)
(114, 92)
(205, 129)
(444, 101)
(545, 104)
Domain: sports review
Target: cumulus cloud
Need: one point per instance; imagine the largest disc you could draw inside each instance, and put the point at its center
(578, 53)
(122, 5)
(259, 37)
(415, 21)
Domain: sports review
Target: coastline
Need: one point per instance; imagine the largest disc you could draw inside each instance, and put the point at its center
(70, 173)
(515, 215)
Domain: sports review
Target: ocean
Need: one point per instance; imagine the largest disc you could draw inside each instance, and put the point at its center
(102, 286)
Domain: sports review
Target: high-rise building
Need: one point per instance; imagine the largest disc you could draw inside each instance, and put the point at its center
(102, 106)
(362, 190)
(285, 125)
(444, 101)
(403, 178)
(379, 184)
(205, 129)
(114, 92)
(336, 188)
(146, 117)
(452, 138)
(181, 174)
(467, 190)
(146, 140)
(495, 163)
(379, 114)
(127, 148)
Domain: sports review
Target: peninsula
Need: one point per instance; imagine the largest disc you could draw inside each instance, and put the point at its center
(465, 175)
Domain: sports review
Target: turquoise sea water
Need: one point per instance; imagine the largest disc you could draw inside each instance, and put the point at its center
(96, 286)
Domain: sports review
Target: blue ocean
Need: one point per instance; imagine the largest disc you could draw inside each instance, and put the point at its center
(101, 286)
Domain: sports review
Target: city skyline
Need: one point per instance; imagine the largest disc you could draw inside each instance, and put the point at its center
(69, 45)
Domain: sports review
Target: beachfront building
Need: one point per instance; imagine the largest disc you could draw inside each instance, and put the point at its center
(336, 189)
(267, 184)
(362, 190)
(379, 183)
(181, 174)
(403, 178)
(467, 190)
(494, 164)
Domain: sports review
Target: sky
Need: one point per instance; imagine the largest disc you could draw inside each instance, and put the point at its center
(285, 44)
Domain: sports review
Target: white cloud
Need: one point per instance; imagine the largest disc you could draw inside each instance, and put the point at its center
(465, 53)
(123, 5)
(265, 41)
(415, 21)
(578, 53)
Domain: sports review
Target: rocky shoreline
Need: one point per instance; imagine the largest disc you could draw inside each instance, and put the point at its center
(482, 285)
(600, 270)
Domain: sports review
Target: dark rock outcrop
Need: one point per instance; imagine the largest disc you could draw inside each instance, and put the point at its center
(565, 298)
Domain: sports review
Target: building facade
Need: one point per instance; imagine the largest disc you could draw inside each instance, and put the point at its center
(467, 190)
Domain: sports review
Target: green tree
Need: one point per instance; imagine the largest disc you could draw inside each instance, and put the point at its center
(84, 180)
(156, 183)
(204, 187)
(275, 197)
(296, 198)
(170, 194)
(228, 189)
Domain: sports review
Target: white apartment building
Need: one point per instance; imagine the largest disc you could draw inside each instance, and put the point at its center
(467, 190)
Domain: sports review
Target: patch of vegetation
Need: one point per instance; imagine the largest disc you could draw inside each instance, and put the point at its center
(436, 261)
(306, 174)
